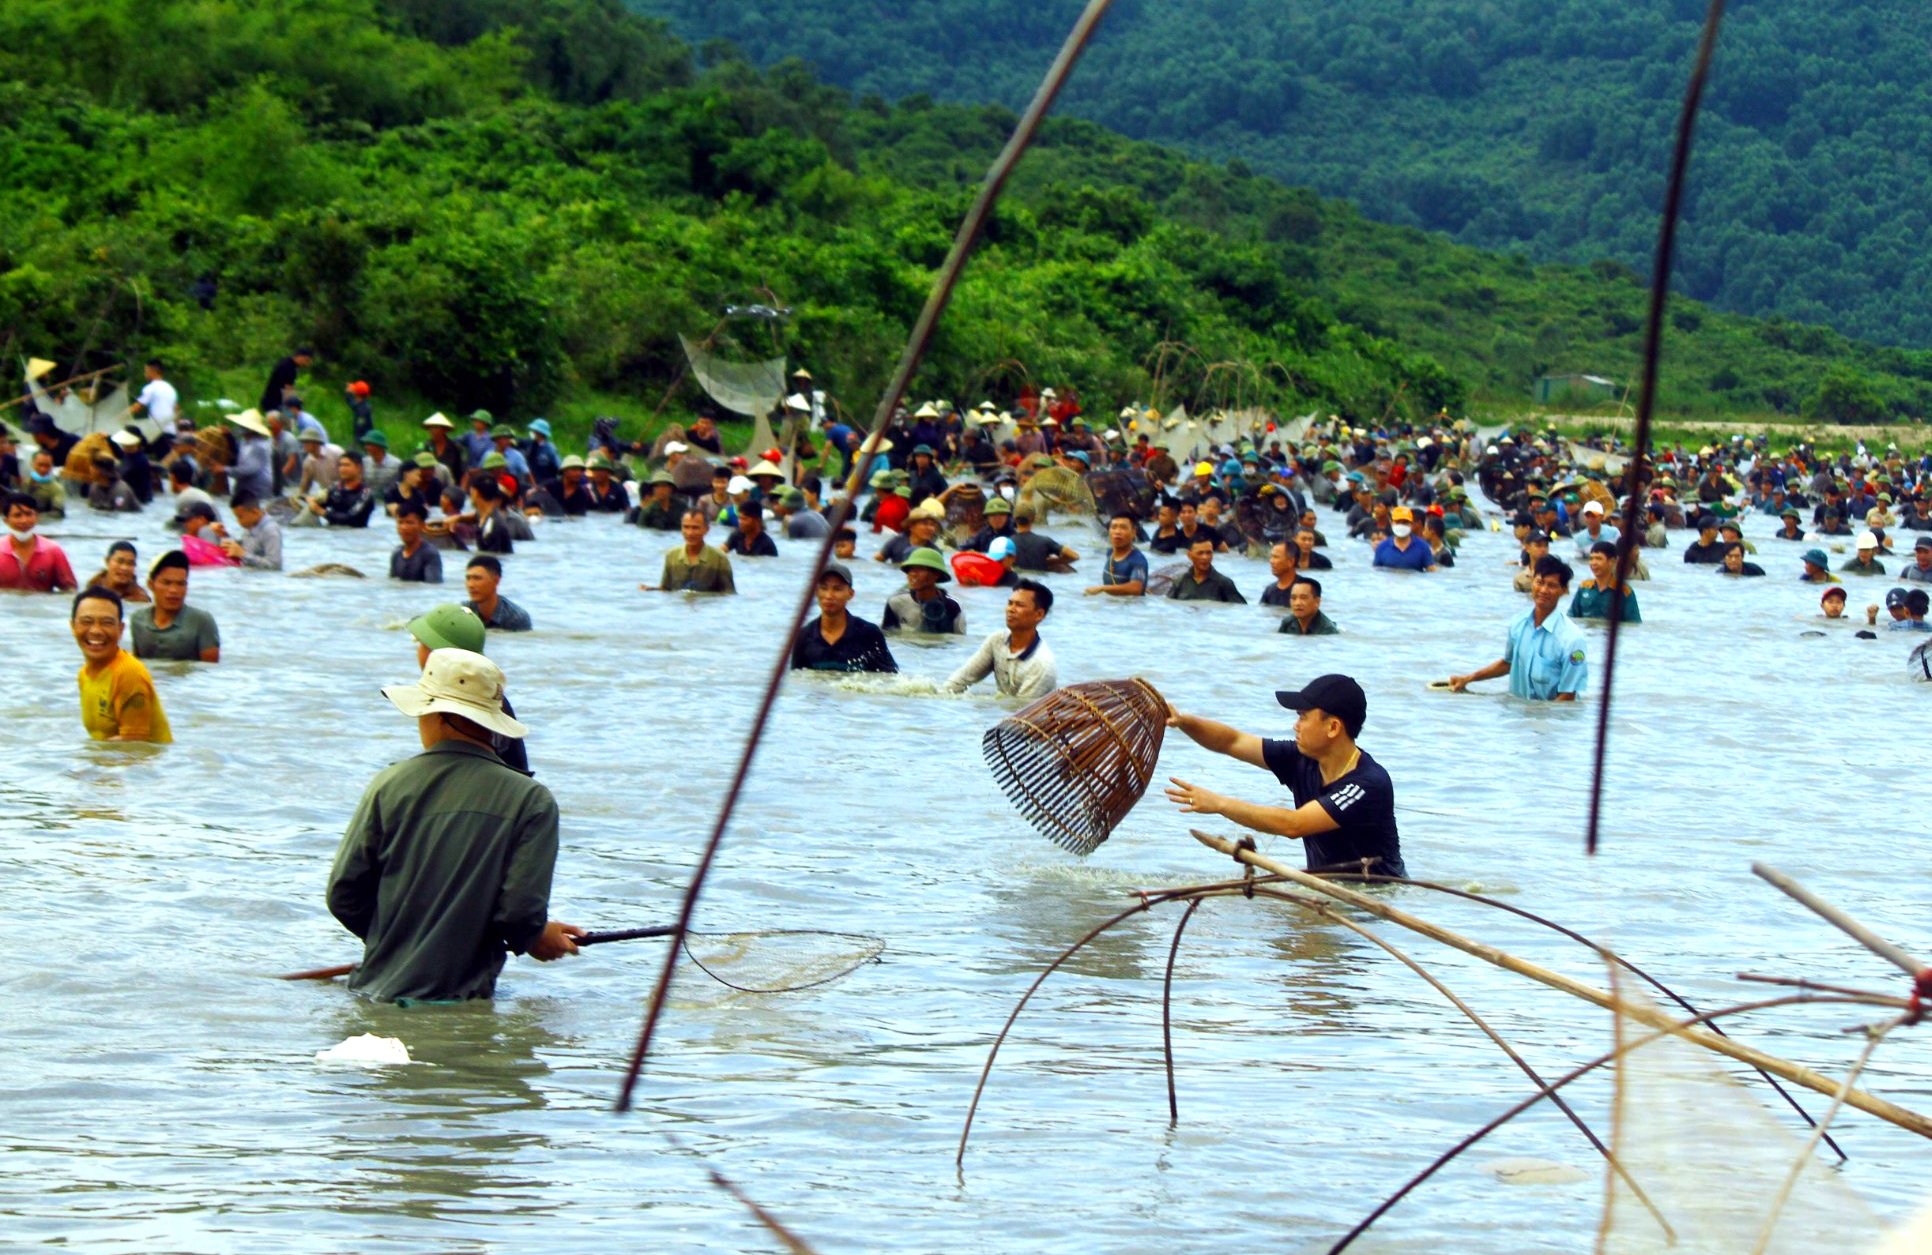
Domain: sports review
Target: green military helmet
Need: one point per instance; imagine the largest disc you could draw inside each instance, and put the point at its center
(449, 626)
(928, 559)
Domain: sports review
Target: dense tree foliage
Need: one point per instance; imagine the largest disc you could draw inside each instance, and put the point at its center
(1544, 128)
(470, 212)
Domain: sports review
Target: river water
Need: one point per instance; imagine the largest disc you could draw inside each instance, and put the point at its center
(160, 1092)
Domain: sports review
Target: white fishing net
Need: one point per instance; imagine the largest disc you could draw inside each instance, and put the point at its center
(1713, 1156)
(749, 388)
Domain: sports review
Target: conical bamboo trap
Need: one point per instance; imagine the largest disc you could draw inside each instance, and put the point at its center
(1076, 761)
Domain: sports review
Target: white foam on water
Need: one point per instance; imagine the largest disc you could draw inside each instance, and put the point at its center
(365, 1050)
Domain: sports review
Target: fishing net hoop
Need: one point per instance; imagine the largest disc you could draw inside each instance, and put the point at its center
(844, 954)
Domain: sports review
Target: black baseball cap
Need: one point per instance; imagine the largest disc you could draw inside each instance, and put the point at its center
(1335, 695)
(1895, 599)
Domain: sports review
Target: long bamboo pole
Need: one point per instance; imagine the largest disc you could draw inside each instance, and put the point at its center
(1796, 1074)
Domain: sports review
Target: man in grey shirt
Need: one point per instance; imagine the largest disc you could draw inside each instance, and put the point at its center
(800, 520)
(1018, 660)
(379, 470)
(170, 630)
(260, 548)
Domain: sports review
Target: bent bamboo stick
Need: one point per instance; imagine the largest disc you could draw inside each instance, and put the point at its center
(1654, 1018)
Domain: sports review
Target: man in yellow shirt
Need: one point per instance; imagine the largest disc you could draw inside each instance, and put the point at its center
(118, 701)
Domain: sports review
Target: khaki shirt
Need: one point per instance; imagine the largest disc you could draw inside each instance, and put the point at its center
(711, 573)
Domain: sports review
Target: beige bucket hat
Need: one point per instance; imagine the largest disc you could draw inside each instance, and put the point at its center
(458, 682)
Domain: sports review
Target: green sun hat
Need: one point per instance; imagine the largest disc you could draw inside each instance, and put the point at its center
(495, 462)
(426, 459)
(929, 560)
(503, 429)
(376, 438)
(599, 461)
(449, 626)
(999, 505)
(482, 416)
(663, 477)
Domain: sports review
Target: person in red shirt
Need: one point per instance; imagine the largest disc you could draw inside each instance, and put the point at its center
(895, 506)
(28, 561)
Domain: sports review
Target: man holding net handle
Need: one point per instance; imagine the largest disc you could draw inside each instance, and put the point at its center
(1344, 808)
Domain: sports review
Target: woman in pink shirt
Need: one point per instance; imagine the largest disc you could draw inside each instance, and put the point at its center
(29, 561)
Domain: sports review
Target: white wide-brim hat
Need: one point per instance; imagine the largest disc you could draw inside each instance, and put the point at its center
(458, 682)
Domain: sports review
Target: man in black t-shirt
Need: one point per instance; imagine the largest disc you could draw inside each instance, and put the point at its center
(1034, 552)
(1707, 549)
(1344, 800)
(283, 377)
(837, 641)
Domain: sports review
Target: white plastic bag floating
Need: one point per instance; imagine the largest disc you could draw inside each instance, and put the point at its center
(365, 1051)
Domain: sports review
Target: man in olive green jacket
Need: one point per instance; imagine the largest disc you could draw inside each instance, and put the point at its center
(447, 863)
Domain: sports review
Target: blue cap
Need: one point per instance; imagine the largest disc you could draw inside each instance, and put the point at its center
(1817, 557)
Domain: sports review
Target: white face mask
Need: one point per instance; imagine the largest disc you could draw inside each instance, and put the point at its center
(20, 536)
(1006, 490)
(1400, 530)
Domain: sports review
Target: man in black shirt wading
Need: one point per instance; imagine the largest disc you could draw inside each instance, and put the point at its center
(1344, 801)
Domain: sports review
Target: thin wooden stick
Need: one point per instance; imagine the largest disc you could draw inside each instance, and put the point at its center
(1868, 1103)
(1874, 1035)
(1797, 982)
(1167, 1016)
(959, 1156)
(320, 973)
(1647, 399)
(1844, 923)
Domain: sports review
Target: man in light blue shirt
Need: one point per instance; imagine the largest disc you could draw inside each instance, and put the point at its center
(1594, 529)
(1545, 657)
(503, 439)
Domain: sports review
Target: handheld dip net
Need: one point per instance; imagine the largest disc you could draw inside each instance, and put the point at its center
(768, 961)
(1076, 761)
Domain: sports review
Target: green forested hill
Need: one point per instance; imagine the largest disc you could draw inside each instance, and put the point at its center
(1542, 127)
(525, 216)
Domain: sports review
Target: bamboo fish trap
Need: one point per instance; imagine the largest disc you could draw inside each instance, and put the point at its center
(1076, 761)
